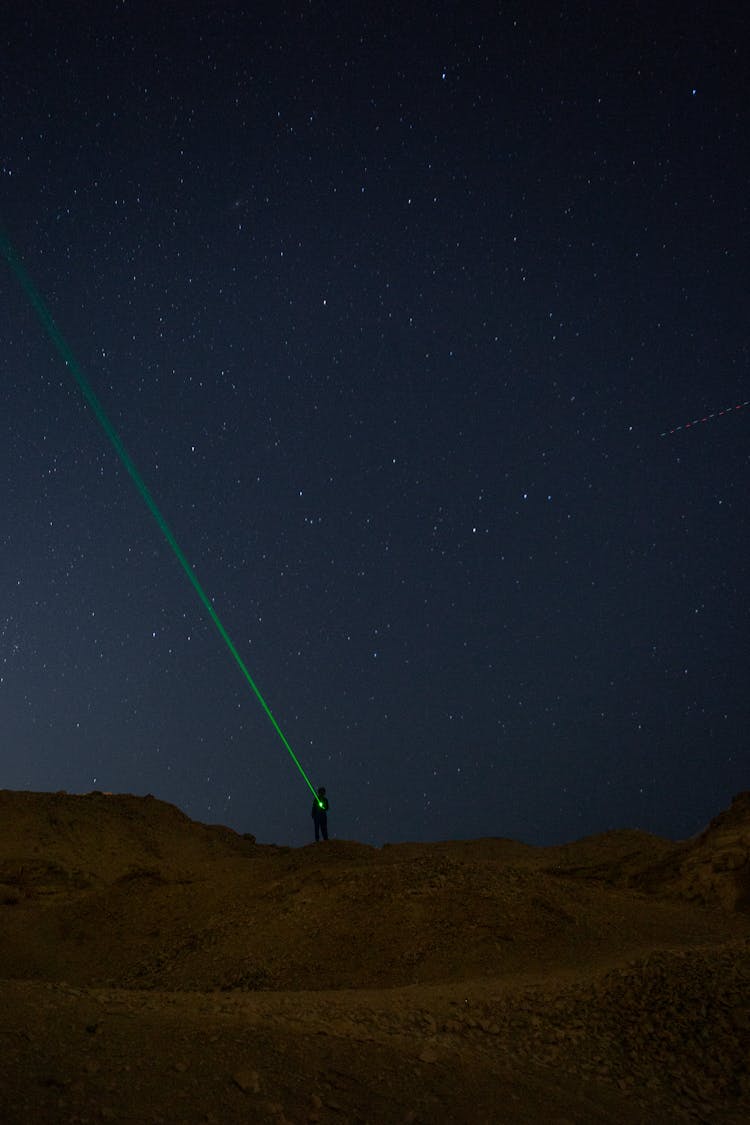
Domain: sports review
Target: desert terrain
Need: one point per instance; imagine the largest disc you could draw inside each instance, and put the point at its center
(158, 970)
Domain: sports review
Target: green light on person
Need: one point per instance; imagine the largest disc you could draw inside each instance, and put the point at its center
(70, 362)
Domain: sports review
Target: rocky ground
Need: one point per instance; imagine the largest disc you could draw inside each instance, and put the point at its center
(158, 970)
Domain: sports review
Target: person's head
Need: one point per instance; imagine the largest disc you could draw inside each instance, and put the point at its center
(322, 791)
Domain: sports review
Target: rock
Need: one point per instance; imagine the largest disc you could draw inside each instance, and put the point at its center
(247, 1080)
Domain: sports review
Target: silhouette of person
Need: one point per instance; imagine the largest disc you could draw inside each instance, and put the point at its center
(320, 814)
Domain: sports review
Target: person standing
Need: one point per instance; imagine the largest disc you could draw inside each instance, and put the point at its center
(320, 814)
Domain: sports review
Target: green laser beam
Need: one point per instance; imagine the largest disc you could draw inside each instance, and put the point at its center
(70, 362)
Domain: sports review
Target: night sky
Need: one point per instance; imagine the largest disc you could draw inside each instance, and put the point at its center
(393, 309)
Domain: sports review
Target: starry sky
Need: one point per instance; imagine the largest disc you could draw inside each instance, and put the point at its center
(394, 307)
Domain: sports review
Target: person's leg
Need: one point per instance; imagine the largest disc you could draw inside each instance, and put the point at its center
(324, 826)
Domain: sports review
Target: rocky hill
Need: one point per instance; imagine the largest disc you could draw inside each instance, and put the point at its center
(154, 969)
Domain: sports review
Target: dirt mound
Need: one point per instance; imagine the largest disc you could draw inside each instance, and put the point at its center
(100, 837)
(717, 866)
(712, 869)
(174, 971)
